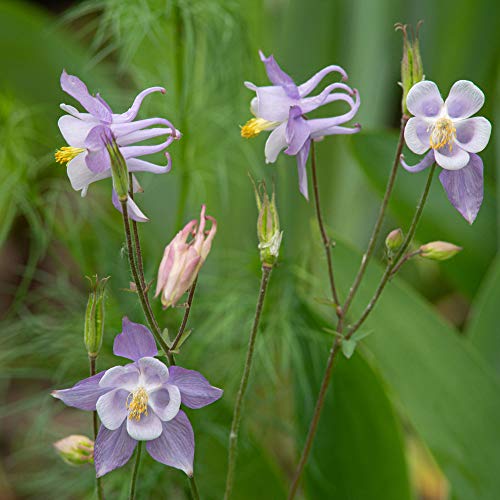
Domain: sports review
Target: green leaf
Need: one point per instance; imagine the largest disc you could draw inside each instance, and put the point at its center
(359, 450)
(442, 384)
(483, 329)
(374, 152)
(348, 347)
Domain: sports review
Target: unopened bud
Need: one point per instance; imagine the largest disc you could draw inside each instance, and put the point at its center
(394, 240)
(76, 450)
(94, 317)
(119, 168)
(268, 225)
(439, 250)
(412, 70)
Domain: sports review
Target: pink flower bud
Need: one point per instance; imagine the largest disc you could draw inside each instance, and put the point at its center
(183, 259)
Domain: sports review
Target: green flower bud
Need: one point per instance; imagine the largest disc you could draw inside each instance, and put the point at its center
(119, 168)
(412, 70)
(394, 240)
(268, 225)
(439, 250)
(76, 450)
(94, 317)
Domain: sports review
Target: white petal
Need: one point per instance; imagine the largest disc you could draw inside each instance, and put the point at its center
(81, 176)
(416, 135)
(112, 408)
(121, 377)
(166, 402)
(455, 159)
(473, 134)
(153, 373)
(275, 143)
(464, 99)
(147, 428)
(74, 130)
(424, 99)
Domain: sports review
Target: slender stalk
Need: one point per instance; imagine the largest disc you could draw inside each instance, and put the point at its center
(402, 250)
(378, 224)
(133, 480)
(95, 425)
(235, 426)
(338, 340)
(194, 488)
(403, 261)
(185, 317)
(137, 241)
(140, 291)
(327, 243)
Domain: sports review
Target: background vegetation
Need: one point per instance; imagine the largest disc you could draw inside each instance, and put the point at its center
(428, 378)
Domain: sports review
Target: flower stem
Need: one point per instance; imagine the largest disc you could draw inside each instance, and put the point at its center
(378, 224)
(327, 243)
(392, 265)
(194, 488)
(233, 436)
(185, 317)
(95, 425)
(146, 307)
(133, 480)
(403, 261)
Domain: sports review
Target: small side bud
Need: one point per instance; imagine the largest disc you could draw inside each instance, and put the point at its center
(94, 317)
(268, 225)
(412, 70)
(76, 450)
(439, 250)
(119, 168)
(394, 240)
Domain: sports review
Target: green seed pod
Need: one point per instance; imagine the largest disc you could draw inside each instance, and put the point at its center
(94, 317)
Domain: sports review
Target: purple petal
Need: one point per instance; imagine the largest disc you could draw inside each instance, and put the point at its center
(424, 99)
(134, 109)
(175, 446)
(125, 377)
(97, 158)
(166, 402)
(278, 77)
(142, 135)
(455, 159)
(273, 104)
(134, 151)
(112, 408)
(464, 187)
(73, 86)
(84, 394)
(417, 135)
(426, 162)
(148, 427)
(302, 156)
(196, 391)
(122, 129)
(133, 211)
(80, 176)
(311, 103)
(137, 165)
(112, 449)
(464, 99)
(337, 130)
(134, 342)
(307, 87)
(297, 131)
(473, 134)
(75, 131)
(154, 373)
(275, 143)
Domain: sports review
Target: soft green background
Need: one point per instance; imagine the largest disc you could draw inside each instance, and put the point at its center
(430, 369)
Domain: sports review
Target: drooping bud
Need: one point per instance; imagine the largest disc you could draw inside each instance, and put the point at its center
(94, 317)
(439, 250)
(412, 70)
(268, 225)
(394, 240)
(182, 259)
(76, 450)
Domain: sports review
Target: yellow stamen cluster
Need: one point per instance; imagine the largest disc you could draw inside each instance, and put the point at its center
(442, 132)
(67, 153)
(137, 404)
(255, 126)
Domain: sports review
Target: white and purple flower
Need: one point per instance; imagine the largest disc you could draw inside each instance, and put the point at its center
(86, 155)
(453, 137)
(282, 107)
(141, 402)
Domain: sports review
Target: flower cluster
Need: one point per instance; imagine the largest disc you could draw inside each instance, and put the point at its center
(141, 402)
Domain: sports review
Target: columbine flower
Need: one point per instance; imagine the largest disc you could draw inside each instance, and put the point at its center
(282, 106)
(182, 260)
(453, 138)
(86, 154)
(141, 402)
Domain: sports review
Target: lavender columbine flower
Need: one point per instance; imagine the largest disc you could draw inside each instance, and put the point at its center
(141, 402)
(453, 138)
(282, 106)
(86, 156)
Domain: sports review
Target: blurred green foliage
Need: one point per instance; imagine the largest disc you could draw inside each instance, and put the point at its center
(418, 373)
